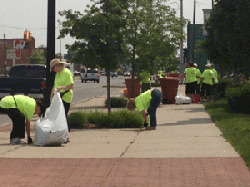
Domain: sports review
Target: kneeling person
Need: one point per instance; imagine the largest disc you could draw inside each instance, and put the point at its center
(147, 104)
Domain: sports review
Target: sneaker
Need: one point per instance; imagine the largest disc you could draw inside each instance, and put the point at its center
(16, 141)
(150, 128)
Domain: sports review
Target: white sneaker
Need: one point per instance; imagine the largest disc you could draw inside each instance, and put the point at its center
(16, 141)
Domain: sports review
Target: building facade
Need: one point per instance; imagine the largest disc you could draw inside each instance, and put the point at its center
(15, 51)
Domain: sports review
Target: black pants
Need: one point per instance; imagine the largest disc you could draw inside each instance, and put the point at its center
(66, 108)
(18, 120)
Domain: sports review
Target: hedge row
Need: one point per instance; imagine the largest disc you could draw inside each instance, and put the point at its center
(116, 119)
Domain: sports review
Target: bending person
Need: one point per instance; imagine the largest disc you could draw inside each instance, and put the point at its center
(147, 103)
(20, 109)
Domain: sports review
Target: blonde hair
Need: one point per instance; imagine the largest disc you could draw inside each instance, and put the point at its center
(131, 104)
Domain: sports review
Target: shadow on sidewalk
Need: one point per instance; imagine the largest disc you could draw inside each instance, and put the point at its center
(189, 122)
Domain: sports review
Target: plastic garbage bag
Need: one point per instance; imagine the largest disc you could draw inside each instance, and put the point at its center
(52, 129)
(180, 99)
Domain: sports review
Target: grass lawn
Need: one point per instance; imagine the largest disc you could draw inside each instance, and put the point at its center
(234, 126)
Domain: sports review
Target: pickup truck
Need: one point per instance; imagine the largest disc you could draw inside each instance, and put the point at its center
(24, 79)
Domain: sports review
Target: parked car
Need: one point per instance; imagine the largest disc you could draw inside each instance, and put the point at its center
(103, 73)
(126, 74)
(120, 73)
(113, 74)
(24, 79)
(90, 75)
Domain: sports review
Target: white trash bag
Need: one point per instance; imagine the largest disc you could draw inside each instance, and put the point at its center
(52, 129)
(180, 99)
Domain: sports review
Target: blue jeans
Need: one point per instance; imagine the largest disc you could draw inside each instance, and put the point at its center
(154, 103)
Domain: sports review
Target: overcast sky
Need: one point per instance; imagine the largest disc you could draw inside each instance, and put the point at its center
(18, 15)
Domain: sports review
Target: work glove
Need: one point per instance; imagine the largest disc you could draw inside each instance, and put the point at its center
(30, 140)
(145, 124)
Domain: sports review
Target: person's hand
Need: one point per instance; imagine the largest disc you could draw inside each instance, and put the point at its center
(30, 140)
(60, 87)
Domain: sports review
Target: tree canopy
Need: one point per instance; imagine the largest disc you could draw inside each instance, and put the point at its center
(108, 31)
(227, 38)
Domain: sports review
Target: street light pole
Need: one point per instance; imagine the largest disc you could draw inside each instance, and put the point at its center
(50, 77)
(181, 65)
(193, 32)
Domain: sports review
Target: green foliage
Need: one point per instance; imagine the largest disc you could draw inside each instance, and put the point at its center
(239, 98)
(37, 57)
(227, 41)
(117, 119)
(234, 126)
(77, 119)
(117, 102)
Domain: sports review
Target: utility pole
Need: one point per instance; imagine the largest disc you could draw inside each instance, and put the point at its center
(50, 77)
(181, 65)
(4, 50)
(193, 32)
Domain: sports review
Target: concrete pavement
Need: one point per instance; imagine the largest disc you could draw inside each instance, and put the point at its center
(186, 149)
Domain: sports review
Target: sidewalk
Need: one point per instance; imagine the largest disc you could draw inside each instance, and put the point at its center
(186, 149)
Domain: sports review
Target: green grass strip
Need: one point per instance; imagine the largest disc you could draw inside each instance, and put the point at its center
(234, 126)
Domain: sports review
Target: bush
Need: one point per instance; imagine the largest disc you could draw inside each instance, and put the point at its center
(116, 119)
(77, 119)
(117, 102)
(239, 98)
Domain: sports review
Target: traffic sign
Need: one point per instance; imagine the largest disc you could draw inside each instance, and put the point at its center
(13, 54)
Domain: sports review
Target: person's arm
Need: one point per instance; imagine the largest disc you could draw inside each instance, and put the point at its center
(27, 125)
(145, 115)
(183, 75)
(66, 88)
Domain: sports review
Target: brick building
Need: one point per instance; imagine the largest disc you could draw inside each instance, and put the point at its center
(17, 51)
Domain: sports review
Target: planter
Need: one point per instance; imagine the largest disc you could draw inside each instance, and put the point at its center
(175, 75)
(137, 87)
(169, 88)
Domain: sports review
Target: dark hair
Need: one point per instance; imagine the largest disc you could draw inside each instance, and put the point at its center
(191, 64)
(42, 107)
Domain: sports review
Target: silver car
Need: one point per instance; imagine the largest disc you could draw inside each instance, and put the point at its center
(90, 75)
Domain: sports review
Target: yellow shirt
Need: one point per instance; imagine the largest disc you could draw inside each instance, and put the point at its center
(190, 74)
(65, 78)
(24, 104)
(142, 102)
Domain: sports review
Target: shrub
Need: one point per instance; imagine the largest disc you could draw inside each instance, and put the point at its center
(239, 98)
(77, 119)
(117, 102)
(116, 119)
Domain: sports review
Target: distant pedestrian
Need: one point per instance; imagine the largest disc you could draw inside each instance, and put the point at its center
(147, 103)
(198, 79)
(64, 83)
(145, 81)
(214, 87)
(20, 110)
(191, 83)
(207, 79)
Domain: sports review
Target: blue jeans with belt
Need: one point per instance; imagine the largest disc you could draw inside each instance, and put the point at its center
(154, 103)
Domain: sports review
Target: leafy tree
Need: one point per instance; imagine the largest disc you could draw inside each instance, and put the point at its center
(154, 32)
(99, 34)
(37, 57)
(227, 40)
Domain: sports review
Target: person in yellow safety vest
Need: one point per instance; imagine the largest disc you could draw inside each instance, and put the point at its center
(160, 74)
(198, 79)
(145, 81)
(207, 79)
